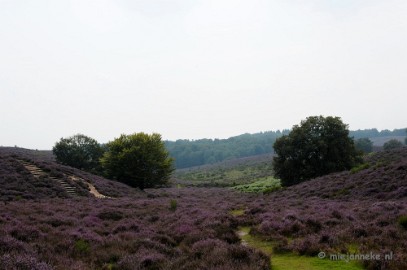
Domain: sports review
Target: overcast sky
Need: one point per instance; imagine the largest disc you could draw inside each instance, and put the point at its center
(197, 69)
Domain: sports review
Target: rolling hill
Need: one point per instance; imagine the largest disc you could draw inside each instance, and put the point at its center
(32, 174)
(43, 226)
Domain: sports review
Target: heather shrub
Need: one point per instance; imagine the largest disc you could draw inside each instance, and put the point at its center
(9, 244)
(308, 246)
(293, 228)
(239, 253)
(143, 259)
(165, 240)
(359, 232)
(22, 262)
(57, 222)
(110, 215)
(313, 225)
(25, 234)
(281, 247)
(126, 230)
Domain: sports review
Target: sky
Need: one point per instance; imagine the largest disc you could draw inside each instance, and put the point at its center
(191, 69)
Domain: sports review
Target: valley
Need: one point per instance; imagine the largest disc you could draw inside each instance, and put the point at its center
(193, 225)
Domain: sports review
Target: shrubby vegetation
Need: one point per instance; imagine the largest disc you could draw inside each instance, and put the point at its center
(138, 160)
(364, 144)
(171, 229)
(262, 185)
(18, 183)
(193, 228)
(227, 173)
(79, 151)
(190, 153)
(392, 144)
(341, 213)
(318, 146)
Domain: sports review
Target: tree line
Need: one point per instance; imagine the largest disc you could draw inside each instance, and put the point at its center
(317, 146)
(189, 153)
(138, 160)
(374, 133)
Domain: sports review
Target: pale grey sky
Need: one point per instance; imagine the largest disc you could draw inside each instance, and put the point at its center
(197, 69)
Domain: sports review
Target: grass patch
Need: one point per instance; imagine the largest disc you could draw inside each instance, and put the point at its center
(289, 261)
(173, 205)
(360, 168)
(265, 185)
(226, 174)
(237, 212)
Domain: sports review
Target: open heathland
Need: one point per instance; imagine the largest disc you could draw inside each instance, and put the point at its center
(42, 226)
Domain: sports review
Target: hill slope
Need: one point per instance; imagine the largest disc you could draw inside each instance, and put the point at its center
(361, 211)
(30, 174)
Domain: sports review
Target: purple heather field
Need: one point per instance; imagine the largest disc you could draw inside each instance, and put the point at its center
(41, 227)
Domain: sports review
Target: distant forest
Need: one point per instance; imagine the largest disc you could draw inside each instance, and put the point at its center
(374, 133)
(189, 153)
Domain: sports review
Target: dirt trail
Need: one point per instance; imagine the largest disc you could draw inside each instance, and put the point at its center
(92, 189)
(289, 261)
(71, 190)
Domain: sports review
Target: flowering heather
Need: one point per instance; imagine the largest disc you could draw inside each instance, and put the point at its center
(340, 213)
(137, 232)
(193, 228)
(19, 183)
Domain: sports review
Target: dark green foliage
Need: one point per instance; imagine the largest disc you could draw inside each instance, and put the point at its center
(207, 151)
(318, 146)
(79, 151)
(139, 160)
(403, 221)
(392, 144)
(82, 247)
(364, 144)
(190, 153)
(374, 133)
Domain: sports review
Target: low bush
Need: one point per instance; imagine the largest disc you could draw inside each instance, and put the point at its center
(402, 220)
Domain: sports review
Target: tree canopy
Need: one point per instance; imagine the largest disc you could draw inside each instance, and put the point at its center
(189, 153)
(364, 144)
(318, 146)
(392, 144)
(79, 151)
(139, 160)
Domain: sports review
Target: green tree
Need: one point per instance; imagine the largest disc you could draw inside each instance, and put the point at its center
(392, 144)
(364, 144)
(139, 160)
(79, 151)
(316, 147)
